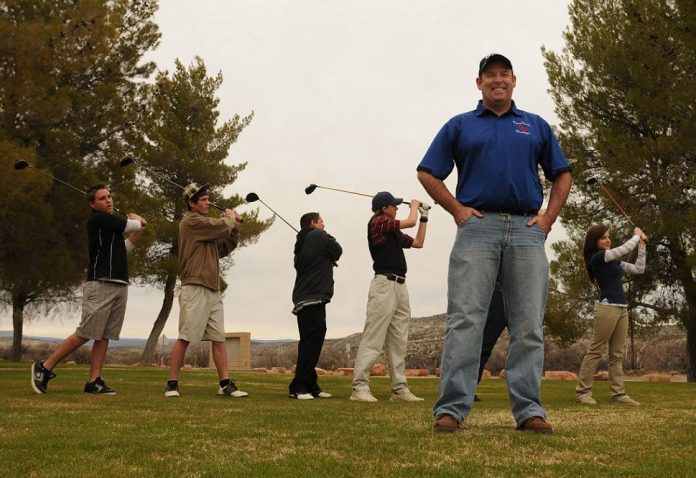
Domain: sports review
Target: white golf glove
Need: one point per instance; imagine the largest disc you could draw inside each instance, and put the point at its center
(424, 209)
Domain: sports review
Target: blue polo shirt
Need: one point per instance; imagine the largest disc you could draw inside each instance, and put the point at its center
(497, 158)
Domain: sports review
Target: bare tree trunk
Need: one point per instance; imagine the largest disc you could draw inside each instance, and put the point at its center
(684, 272)
(690, 325)
(631, 329)
(18, 303)
(691, 352)
(158, 326)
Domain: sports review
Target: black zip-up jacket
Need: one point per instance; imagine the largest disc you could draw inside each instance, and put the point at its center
(315, 254)
(108, 258)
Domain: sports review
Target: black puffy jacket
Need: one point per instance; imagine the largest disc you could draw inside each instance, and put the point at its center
(315, 254)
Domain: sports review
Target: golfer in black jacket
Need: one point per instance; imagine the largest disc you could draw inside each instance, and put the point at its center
(316, 253)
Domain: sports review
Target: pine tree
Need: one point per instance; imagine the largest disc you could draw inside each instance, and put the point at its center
(185, 143)
(625, 90)
(67, 94)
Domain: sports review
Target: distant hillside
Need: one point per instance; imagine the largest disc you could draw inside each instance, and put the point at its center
(126, 342)
(424, 348)
(123, 342)
(661, 349)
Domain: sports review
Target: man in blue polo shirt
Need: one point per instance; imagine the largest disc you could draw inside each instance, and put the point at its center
(497, 149)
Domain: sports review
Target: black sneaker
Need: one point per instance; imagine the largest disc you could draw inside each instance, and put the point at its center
(231, 390)
(40, 377)
(171, 390)
(98, 387)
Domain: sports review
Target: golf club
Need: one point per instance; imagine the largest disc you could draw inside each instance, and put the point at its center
(21, 164)
(592, 181)
(253, 197)
(310, 189)
(128, 160)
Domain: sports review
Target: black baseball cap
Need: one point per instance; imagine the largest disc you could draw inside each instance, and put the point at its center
(493, 58)
(384, 199)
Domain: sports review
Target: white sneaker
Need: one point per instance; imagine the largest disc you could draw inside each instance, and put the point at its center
(231, 390)
(404, 395)
(625, 400)
(362, 396)
(323, 395)
(171, 390)
(586, 400)
(302, 396)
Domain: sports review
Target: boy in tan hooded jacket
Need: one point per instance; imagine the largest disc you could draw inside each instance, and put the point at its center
(203, 241)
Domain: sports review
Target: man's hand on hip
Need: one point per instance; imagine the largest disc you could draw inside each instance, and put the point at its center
(543, 221)
(463, 213)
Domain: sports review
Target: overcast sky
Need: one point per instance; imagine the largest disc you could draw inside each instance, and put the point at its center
(346, 95)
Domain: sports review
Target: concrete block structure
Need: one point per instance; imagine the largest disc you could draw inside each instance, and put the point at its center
(238, 345)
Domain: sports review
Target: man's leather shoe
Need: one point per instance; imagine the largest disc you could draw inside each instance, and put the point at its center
(445, 424)
(536, 425)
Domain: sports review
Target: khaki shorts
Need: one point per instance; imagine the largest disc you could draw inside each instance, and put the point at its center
(201, 316)
(103, 310)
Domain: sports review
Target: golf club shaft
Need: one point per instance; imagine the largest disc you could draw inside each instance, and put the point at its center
(162, 176)
(84, 193)
(281, 217)
(353, 192)
(59, 180)
(606, 191)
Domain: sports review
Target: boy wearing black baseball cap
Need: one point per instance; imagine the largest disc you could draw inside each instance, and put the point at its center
(388, 309)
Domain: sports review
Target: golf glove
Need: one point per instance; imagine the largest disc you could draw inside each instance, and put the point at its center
(424, 209)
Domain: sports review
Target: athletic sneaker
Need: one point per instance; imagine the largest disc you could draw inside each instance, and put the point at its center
(586, 399)
(404, 395)
(625, 400)
(301, 396)
(40, 377)
(98, 387)
(362, 396)
(171, 390)
(322, 395)
(231, 390)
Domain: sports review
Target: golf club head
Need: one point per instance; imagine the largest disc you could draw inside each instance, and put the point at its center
(21, 164)
(310, 189)
(126, 161)
(251, 197)
(591, 181)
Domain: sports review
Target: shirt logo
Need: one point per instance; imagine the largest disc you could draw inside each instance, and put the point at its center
(522, 127)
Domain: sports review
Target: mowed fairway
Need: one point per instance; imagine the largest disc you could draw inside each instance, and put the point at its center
(140, 433)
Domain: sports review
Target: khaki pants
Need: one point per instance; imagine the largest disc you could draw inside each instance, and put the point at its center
(386, 327)
(201, 315)
(610, 327)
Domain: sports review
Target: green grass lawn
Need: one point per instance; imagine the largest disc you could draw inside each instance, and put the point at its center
(140, 433)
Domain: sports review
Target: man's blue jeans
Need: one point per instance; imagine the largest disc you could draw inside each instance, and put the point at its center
(500, 247)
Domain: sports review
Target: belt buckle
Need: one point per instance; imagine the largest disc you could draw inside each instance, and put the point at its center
(395, 278)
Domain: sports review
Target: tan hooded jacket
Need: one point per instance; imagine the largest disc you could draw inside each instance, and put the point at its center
(203, 241)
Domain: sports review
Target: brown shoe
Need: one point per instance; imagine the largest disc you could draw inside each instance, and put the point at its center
(536, 425)
(445, 424)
